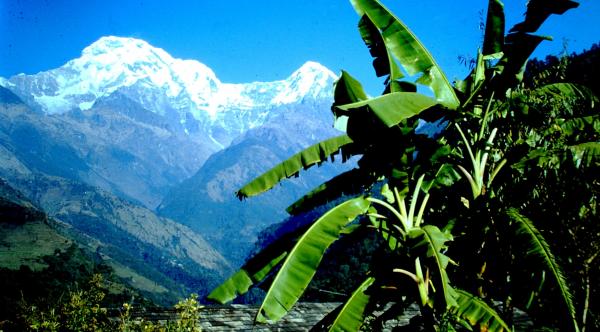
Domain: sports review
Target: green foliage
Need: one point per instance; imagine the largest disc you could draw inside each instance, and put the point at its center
(536, 245)
(477, 312)
(351, 314)
(312, 155)
(188, 314)
(402, 44)
(451, 209)
(83, 310)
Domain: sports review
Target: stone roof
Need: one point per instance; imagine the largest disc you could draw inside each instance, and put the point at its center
(303, 317)
(239, 317)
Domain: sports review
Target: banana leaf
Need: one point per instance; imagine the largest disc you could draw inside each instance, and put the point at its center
(477, 312)
(585, 124)
(351, 182)
(351, 315)
(392, 108)
(539, 10)
(586, 154)
(347, 90)
(539, 248)
(435, 242)
(233, 287)
(409, 51)
(383, 61)
(518, 48)
(308, 157)
(520, 44)
(493, 41)
(567, 92)
(301, 263)
(257, 268)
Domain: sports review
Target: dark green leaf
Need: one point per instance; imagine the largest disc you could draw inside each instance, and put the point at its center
(587, 154)
(383, 61)
(477, 312)
(409, 51)
(310, 156)
(303, 260)
(567, 92)
(494, 28)
(348, 183)
(518, 48)
(539, 248)
(352, 314)
(539, 10)
(347, 90)
(394, 107)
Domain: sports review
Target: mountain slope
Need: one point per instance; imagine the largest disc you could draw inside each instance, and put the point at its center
(25, 233)
(206, 202)
(100, 141)
(163, 259)
(185, 91)
(116, 146)
(131, 238)
(129, 118)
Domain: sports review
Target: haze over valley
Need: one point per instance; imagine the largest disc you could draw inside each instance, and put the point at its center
(136, 156)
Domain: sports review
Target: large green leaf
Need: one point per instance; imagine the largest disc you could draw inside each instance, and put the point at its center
(586, 154)
(435, 242)
(588, 124)
(236, 285)
(256, 269)
(539, 10)
(310, 156)
(477, 312)
(347, 90)
(567, 92)
(538, 247)
(351, 315)
(303, 260)
(351, 182)
(383, 61)
(394, 107)
(409, 51)
(493, 41)
(518, 48)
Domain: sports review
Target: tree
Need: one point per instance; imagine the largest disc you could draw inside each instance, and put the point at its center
(451, 202)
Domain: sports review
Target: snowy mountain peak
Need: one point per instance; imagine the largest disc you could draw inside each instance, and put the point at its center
(314, 69)
(160, 83)
(114, 62)
(311, 80)
(110, 44)
(123, 50)
(4, 82)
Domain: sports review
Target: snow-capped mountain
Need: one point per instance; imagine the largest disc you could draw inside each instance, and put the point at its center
(129, 120)
(160, 83)
(139, 121)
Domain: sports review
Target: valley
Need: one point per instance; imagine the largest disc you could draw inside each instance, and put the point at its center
(137, 156)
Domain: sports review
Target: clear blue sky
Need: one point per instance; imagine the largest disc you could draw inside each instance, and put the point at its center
(243, 40)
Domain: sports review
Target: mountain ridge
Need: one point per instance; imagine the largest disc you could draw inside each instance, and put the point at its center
(112, 63)
(118, 134)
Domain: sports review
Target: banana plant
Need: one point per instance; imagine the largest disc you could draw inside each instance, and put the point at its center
(382, 132)
(479, 160)
(423, 244)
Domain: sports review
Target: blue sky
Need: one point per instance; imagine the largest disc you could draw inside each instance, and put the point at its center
(261, 40)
